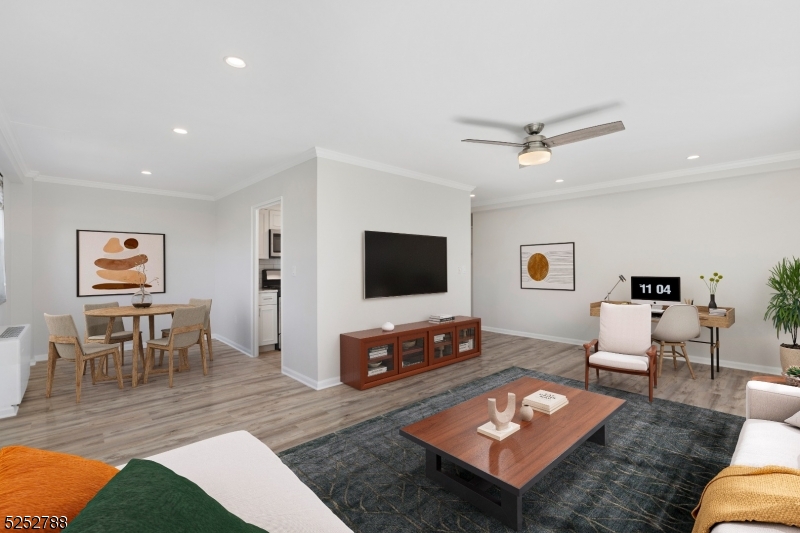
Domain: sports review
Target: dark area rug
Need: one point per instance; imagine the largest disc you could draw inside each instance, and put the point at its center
(648, 477)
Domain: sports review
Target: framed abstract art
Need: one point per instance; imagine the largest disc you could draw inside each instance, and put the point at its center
(547, 266)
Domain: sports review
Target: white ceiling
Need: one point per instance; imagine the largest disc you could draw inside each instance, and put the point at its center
(92, 89)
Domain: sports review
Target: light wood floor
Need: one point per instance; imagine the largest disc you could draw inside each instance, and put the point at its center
(115, 425)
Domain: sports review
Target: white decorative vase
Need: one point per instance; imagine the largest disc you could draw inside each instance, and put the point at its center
(526, 413)
(388, 326)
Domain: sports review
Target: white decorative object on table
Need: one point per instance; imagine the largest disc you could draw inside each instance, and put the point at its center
(526, 413)
(500, 425)
(545, 402)
(388, 326)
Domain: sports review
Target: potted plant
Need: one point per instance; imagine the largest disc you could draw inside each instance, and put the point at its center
(712, 283)
(784, 307)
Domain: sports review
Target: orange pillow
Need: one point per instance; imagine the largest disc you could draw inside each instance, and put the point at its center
(42, 483)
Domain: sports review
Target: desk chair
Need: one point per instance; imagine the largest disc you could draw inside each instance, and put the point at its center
(186, 331)
(624, 345)
(678, 324)
(206, 329)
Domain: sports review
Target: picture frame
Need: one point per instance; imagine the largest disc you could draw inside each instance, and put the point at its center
(110, 263)
(549, 267)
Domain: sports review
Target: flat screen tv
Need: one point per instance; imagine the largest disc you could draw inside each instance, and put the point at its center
(399, 264)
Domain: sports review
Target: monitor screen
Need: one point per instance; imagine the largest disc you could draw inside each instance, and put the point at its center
(399, 264)
(656, 288)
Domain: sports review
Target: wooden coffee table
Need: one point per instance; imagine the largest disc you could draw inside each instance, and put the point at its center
(514, 464)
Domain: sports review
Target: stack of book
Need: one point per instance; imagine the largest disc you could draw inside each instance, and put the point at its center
(441, 319)
(378, 351)
(438, 338)
(545, 402)
(717, 312)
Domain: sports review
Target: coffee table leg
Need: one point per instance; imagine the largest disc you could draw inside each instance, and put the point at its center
(508, 509)
(599, 436)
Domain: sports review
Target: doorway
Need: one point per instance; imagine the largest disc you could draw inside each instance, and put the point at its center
(267, 247)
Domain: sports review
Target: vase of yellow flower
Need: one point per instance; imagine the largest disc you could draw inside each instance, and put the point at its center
(712, 283)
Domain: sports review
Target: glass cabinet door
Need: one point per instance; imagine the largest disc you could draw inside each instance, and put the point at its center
(443, 347)
(467, 340)
(380, 360)
(412, 352)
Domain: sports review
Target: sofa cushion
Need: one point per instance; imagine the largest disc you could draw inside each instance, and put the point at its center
(625, 328)
(618, 360)
(146, 497)
(794, 420)
(39, 482)
(242, 473)
(752, 527)
(763, 442)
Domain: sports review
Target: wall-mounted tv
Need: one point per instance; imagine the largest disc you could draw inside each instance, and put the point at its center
(399, 264)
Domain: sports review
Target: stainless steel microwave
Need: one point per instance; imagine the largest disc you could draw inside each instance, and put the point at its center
(274, 243)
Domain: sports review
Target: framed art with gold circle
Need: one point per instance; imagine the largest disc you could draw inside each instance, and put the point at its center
(547, 266)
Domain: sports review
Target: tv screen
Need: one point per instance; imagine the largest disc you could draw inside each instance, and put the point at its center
(398, 264)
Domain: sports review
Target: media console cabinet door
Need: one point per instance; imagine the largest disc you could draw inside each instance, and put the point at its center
(413, 351)
(468, 339)
(442, 345)
(379, 359)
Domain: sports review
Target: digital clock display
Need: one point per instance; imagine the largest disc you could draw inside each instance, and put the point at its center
(656, 289)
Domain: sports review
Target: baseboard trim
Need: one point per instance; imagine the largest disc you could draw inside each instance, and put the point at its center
(38, 359)
(565, 340)
(726, 363)
(308, 382)
(235, 345)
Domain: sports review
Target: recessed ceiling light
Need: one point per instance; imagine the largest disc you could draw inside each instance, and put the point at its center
(559, 181)
(693, 157)
(472, 196)
(235, 62)
(146, 172)
(180, 130)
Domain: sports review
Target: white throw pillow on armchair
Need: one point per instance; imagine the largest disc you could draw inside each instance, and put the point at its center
(794, 420)
(625, 329)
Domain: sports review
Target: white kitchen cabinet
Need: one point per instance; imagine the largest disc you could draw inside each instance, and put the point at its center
(263, 234)
(267, 324)
(274, 220)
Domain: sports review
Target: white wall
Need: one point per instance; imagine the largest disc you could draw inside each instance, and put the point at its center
(352, 199)
(18, 308)
(297, 187)
(60, 210)
(740, 227)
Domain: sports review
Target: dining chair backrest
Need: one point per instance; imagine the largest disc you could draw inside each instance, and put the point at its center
(185, 317)
(679, 323)
(62, 326)
(625, 329)
(207, 305)
(96, 325)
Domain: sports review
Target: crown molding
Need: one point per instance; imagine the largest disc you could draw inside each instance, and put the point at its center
(309, 154)
(744, 167)
(123, 188)
(389, 169)
(324, 153)
(9, 147)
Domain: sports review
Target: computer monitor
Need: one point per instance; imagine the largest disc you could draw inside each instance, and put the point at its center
(655, 290)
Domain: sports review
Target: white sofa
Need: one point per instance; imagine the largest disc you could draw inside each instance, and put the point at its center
(250, 481)
(766, 440)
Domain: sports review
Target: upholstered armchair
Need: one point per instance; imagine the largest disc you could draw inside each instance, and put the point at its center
(624, 345)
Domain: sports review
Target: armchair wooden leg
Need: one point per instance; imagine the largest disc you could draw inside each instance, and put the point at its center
(587, 376)
(203, 356)
(94, 372)
(597, 372)
(51, 368)
(118, 367)
(80, 366)
(208, 344)
(686, 356)
(650, 386)
(660, 356)
(171, 369)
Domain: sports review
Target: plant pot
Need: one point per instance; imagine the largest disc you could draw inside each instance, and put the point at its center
(713, 303)
(789, 357)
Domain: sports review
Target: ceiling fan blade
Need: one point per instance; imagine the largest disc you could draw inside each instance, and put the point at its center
(513, 128)
(502, 143)
(581, 113)
(584, 134)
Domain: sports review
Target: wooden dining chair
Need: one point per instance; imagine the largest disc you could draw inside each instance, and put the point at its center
(206, 330)
(186, 331)
(96, 328)
(64, 344)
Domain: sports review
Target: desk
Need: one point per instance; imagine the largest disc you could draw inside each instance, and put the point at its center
(136, 313)
(713, 323)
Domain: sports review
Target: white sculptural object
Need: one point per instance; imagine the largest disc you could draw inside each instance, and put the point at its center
(388, 326)
(502, 419)
(526, 412)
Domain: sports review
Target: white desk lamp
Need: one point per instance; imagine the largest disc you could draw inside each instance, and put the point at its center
(621, 279)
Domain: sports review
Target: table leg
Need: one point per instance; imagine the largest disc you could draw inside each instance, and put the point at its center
(136, 352)
(152, 320)
(507, 508)
(717, 349)
(599, 436)
(711, 348)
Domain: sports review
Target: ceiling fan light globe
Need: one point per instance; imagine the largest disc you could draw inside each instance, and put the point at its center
(534, 156)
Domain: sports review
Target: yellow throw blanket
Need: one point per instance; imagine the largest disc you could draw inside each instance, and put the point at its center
(749, 494)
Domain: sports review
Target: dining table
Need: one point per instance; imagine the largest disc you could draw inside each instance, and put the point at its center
(113, 313)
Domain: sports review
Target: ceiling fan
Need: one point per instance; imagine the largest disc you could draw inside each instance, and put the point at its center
(536, 147)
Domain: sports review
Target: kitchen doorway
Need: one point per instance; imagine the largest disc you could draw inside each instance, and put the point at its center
(267, 232)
